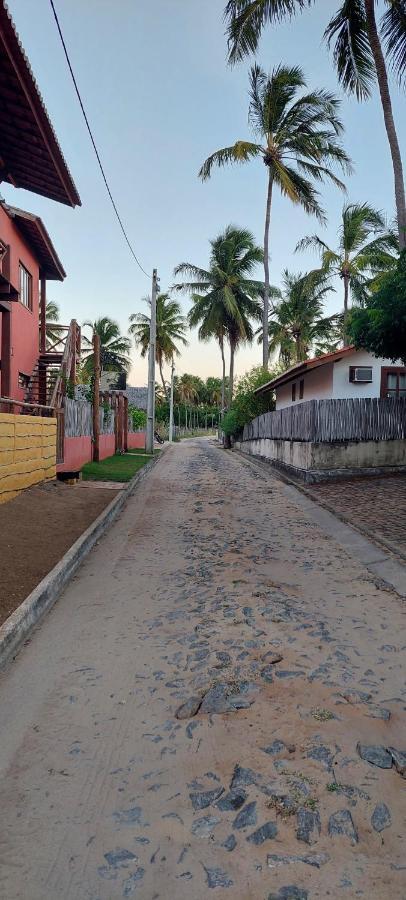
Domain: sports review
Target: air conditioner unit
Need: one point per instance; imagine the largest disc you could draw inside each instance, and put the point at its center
(360, 374)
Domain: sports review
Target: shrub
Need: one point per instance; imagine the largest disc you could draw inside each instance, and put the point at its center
(246, 405)
(138, 417)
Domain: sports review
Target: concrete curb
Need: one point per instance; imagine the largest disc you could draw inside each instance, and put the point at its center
(23, 620)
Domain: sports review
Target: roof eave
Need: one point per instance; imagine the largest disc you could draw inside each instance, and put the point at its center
(15, 52)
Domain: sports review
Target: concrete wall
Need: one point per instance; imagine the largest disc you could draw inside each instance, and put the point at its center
(27, 452)
(24, 322)
(313, 461)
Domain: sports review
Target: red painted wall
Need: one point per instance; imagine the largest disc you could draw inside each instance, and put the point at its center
(136, 440)
(24, 322)
(107, 445)
(78, 450)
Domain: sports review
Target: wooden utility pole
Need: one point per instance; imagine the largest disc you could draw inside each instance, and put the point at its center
(125, 401)
(151, 368)
(96, 398)
(171, 404)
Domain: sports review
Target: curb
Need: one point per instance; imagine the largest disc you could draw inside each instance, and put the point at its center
(23, 620)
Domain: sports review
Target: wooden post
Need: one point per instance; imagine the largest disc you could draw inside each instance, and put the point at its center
(43, 306)
(5, 355)
(125, 399)
(96, 398)
(72, 373)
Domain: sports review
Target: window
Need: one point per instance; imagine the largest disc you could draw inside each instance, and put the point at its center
(293, 392)
(23, 380)
(301, 389)
(25, 287)
(393, 382)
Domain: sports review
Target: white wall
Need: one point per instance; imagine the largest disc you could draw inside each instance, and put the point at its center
(332, 381)
(344, 389)
(318, 385)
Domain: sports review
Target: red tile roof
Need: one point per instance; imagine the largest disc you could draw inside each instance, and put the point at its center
(36, 235)
(302, 367)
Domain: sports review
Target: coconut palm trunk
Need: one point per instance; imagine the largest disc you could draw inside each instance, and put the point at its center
(265, 342)
(231, 377)
(383, 84)
(346, 279)
(223, 378)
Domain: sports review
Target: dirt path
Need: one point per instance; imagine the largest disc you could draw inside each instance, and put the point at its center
(37, 528)
(216, 588)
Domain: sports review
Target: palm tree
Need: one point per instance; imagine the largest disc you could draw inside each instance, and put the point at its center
(365, 249)
(187, 393)
(114, 348)
(297, 325)
(225, 296)
(357, 55)
(170, 330)
(53, 331)
(299, 143)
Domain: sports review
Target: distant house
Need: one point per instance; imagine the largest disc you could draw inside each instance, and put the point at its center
(342, 375)
(137, 396)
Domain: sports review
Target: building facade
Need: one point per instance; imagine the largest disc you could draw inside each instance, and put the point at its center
(27, 260)
(344, 375)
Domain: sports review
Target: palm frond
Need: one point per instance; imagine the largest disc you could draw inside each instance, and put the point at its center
(352, 54)
(245, 20)
(394, 33)
(240, 152)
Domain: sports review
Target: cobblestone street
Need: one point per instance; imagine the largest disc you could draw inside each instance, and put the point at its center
(215, 706)
(377, 505)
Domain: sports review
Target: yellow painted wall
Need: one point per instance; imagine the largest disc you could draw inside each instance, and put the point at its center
(27, 452)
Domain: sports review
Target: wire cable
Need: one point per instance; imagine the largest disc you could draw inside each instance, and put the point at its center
(94, 142)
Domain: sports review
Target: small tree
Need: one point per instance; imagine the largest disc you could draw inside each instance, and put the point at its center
(138, 417)
(380, 326)
(246, 404)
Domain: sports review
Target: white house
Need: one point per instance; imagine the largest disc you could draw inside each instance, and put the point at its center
(344, 374)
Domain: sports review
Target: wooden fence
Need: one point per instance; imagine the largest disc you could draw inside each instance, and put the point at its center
(79, 419)
(322, 421)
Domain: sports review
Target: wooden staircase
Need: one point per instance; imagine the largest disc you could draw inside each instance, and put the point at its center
(55, 369)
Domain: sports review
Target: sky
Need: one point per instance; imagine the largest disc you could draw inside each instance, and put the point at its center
(160, 98)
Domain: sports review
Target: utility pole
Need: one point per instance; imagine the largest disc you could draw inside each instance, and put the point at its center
(171, 404)
(151, 368)
(96, 397)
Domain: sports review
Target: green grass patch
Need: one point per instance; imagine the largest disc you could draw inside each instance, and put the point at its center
(115, 468)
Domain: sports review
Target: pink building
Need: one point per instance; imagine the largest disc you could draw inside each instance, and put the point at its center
(27, 260)
(30, 158)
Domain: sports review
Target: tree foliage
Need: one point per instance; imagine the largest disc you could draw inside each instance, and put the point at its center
(297, 325)
(225, 296)
(246, 404)
(380, 326)
(170, 331)
(114, 348)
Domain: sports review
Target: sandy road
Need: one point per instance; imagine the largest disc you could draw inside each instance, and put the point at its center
(215, 589)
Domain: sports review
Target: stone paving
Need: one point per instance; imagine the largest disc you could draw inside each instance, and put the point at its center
(377, 505)
(216, 704)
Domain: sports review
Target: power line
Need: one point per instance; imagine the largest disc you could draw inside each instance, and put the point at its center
(94, 142)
